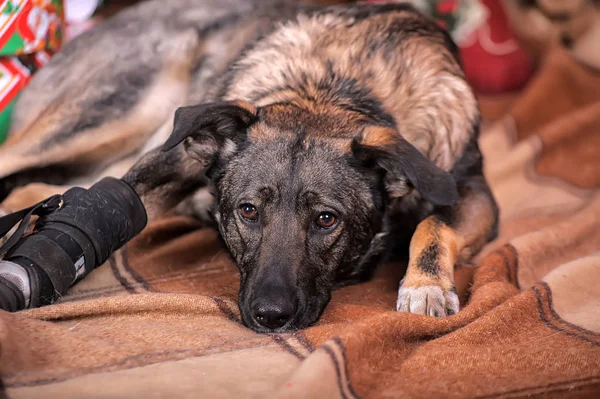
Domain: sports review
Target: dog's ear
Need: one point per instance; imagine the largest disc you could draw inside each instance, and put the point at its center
(211, 130)
(385, 148)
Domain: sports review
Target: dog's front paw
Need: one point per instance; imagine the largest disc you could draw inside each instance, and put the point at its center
(429, 300)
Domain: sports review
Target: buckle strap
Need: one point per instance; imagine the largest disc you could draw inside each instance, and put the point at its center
(7, 222)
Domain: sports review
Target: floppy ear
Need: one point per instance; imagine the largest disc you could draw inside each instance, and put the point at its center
(386, 149)
(211, 131)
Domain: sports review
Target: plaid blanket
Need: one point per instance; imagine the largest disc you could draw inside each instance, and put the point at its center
(160, 318)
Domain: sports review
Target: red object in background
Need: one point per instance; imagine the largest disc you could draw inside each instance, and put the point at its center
(447, 6)
(493, 60)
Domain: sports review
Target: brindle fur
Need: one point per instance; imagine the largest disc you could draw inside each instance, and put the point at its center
(359, 110)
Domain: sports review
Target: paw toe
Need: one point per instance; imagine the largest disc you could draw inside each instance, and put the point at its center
(428, 300)
(452, 303)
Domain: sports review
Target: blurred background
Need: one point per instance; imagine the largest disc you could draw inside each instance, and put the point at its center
(503, 42)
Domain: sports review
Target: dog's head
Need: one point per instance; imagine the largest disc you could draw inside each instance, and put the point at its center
(300, 198)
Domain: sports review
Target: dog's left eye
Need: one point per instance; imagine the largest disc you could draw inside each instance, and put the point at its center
(249, 212)
(326, 220)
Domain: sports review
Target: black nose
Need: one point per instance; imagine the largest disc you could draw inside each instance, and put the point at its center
(273, 313)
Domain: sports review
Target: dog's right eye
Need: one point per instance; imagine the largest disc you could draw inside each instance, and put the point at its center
(248, 212)
(326, 220)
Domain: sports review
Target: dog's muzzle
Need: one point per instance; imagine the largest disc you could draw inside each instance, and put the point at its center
(75, 233)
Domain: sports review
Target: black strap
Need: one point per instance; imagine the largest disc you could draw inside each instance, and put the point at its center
(50, 257)
(7, 222)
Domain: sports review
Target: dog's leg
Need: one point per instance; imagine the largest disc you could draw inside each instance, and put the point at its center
(163, 179)
(211, 133)
(439, 243)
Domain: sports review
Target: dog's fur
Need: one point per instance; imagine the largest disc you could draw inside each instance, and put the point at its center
(359, 111)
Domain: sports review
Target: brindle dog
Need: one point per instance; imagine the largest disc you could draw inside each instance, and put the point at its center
(329, 138)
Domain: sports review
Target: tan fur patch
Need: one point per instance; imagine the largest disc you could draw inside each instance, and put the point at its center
(432, 232)
(263, 132)
(246, 105)
(376, 136)
(475, 217)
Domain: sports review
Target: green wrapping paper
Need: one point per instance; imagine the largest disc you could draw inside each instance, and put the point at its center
(30, 32)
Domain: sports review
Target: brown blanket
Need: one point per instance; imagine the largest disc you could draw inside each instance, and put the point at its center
(160, 319)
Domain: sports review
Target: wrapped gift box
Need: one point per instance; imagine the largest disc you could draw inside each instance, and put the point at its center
(30, 32)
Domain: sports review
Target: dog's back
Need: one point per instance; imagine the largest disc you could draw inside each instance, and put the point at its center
(112, 92)
(387, 62)
(106, 93)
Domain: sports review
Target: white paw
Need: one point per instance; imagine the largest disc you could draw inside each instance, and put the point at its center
(197, 206)
(428, 300)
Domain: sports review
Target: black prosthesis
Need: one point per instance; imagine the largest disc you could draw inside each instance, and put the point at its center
(75, 233)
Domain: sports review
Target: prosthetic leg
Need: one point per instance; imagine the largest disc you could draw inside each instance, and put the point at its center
(75, 232)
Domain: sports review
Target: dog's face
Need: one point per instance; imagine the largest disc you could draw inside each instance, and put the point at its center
(300, 199)
(297, 215)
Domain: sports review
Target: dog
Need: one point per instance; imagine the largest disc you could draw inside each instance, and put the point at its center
(330, 139)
